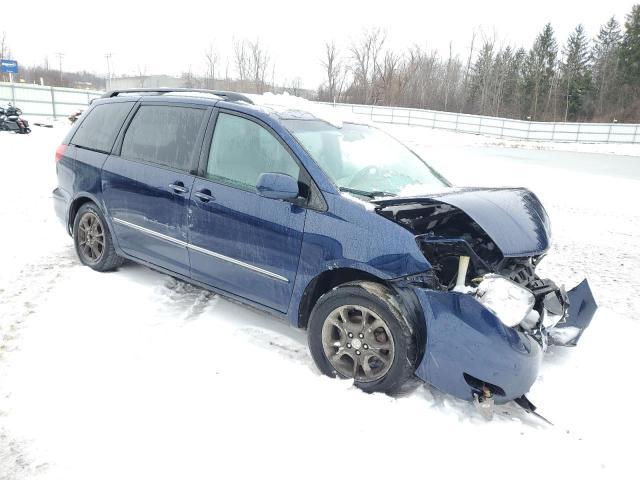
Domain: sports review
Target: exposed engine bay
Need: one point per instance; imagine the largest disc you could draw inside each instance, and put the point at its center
(467, 257)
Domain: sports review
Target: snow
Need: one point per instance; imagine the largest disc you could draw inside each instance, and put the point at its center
(284, 102)
(448, 137)
(134, 375)
(564, 335)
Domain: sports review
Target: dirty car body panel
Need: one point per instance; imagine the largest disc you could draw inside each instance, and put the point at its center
(273, 254)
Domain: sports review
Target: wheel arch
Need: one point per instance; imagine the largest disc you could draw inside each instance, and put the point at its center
(324, 282)
(75, 205)
(393, 298)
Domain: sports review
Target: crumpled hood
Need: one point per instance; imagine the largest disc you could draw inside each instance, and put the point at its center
(514, 218)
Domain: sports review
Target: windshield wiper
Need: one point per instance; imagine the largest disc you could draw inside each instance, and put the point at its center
(364, 193)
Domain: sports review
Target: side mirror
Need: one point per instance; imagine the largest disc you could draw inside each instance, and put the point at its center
(277, 186)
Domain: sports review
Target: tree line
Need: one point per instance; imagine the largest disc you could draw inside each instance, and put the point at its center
(581, 80)
(250, 69)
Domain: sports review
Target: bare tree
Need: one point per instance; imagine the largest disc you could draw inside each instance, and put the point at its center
(447, 78)
(468, 69)
(336, 72)
(211, 54)
(189, 79)
(294, 86)
(365, 53)
(227, 79)
(142, 75)
(259, 62)
(241, 59)
(385, 88)
(4, 46)
(273, 77)
(5, 52)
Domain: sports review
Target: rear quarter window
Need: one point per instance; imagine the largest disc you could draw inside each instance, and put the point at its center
(164, 135)
(99, 129)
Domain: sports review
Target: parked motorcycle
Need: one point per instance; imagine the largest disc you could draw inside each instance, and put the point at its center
(10, 120)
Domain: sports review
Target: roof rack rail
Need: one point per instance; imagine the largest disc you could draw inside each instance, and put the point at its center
(229, 96)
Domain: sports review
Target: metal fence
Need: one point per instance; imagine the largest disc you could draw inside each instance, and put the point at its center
(499, 127)
(36, 100)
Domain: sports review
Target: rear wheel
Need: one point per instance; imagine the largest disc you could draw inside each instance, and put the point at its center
(92, 239)
(357, 331)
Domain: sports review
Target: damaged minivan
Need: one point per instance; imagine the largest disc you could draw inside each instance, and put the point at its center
(331, 224)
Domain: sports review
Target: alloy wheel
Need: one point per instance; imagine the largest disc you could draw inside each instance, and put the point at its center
(91, 237)
(358, 343)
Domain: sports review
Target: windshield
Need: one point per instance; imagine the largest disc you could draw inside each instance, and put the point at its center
(364, 160)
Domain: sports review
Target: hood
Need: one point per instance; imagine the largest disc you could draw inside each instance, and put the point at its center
(513, 218)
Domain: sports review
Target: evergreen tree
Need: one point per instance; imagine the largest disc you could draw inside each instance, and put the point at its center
(480, 84)
(539, 71)
(500, 77)
(576, 74)
(605, 64)
(630, 49)
(514, 85)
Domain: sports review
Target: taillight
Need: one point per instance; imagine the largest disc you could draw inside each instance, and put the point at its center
(60, 152)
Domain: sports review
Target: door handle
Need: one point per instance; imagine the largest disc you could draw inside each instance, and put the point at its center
(204, 195)
(178, 187)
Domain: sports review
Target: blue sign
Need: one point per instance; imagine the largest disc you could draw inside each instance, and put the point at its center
(8, 66)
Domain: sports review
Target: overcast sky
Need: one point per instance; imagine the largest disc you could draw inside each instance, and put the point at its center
(164, 39)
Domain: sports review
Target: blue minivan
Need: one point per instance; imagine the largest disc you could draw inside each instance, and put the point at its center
(331, 224)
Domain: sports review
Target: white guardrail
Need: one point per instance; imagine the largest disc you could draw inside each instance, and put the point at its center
(499, 127)
(36, 100)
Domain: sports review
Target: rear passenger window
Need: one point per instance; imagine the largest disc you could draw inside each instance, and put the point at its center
(99, 129)
(164, 134)
(241, 150)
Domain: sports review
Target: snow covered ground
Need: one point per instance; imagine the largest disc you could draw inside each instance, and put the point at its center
(134, 375)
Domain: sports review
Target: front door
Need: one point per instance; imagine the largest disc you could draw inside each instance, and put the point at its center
(147, 186)
(239, 241)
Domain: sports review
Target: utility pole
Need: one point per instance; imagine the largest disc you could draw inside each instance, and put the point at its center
(108, 57)
(60, 55)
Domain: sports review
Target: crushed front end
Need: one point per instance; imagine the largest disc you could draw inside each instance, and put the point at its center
(489, 316)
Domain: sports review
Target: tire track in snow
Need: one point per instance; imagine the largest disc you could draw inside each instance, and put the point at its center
(27, 291)
(15, 462)
(187, 300)
(20, 299)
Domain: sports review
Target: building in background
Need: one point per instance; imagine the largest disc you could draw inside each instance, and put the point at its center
(147, 81)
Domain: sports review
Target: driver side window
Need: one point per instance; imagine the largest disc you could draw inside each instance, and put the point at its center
(241, 150)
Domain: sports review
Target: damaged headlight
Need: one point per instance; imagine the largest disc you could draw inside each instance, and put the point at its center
(510, 302)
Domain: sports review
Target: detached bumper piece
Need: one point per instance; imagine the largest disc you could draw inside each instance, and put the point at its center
(524, 403)
(579, 308)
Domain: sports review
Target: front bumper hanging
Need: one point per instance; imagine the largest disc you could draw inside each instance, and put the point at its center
(578, 314)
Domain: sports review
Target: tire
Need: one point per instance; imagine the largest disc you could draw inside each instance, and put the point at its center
(98, 252)
(390, 354)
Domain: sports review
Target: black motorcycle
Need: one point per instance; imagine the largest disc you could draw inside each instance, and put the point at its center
(10, 120)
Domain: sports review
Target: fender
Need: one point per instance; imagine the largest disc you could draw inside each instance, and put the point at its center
(334, 240)
(100, 203)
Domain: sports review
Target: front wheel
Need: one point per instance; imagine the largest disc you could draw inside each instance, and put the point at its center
(357, 331)
(92, 239)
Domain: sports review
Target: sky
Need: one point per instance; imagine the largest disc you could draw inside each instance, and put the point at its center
(158, 38)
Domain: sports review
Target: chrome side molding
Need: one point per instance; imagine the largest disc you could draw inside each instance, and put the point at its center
(204, 251)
